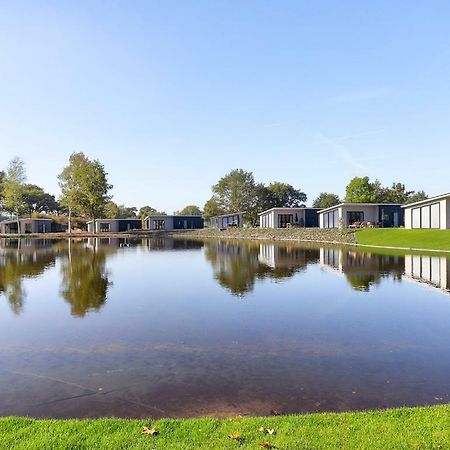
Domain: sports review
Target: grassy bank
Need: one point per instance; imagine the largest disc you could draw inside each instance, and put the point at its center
(401, 238)
(408, 428)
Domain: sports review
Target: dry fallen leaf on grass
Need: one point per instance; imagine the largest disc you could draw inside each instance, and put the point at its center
(265, 445)
(267, 430)
(236, 436)
(151, 431)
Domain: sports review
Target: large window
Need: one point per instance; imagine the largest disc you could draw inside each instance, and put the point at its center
(284, 219)
(331, 219)
(105, 227)
(159, 224)
(354, 216)
(427, 216)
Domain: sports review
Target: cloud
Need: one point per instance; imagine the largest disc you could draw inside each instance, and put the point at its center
(364, 95)
(342, 152)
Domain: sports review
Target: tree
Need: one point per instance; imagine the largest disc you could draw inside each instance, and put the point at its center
(111, 210)
(36, 200)
(84, 186)
(326, 200)
(189, 210)
(13, 191)
(236, 191)
(211, 209)
(149, 211)
(2, 183)
(126, 212)
(360, 190)
(285, 195)
(417, 197)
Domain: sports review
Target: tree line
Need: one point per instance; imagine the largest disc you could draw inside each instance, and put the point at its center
(85, 193)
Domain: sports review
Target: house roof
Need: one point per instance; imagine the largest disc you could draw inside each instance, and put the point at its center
(111, 220)
(227, 215)
(33, 219)
(296, 208)
(165, 216)
(340, 205)
(431, 199)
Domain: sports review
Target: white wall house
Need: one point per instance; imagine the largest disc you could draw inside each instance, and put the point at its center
(432, 213)
(346, 214)
(281, 217)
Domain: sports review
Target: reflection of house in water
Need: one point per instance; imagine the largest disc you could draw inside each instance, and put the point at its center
(96, 243)
(171, 244)
(362, 269)
(287, 256)
(237, 266)
(432, 270)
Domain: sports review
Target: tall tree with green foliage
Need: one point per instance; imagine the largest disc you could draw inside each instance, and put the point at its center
(189, 210)
(326, 200)
(416, 197)
(84, 187)
(360, 190)
(149, 211)
(211, 209)
(13, 189)
(236, 191)
(36, 200)
(2, 183)
(285, 195)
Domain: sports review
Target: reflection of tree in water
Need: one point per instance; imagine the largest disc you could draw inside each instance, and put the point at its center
(21, 259)
(363, 269)
(237, 265)
(85, 279)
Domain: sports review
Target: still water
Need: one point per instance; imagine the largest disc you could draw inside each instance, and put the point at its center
(112, 327)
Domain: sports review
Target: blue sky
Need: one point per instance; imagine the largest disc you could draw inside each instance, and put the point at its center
(171, 95)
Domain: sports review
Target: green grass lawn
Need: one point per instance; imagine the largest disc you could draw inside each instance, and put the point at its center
(408, 428)
(399, 237)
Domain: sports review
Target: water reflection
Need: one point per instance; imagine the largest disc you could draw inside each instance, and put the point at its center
(363, 269)
(334, 328)
(84, 278)
(432, 270)
(237, 265)
(21, 259)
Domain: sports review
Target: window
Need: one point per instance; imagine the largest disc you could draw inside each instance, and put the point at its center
(159, 224)
(354, 216)
(105, 227)
(416, 218)
(435, 220)
(284, 219)
(427, 216)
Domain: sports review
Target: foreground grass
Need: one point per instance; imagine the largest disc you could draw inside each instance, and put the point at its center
(398, 237)
(407, 428)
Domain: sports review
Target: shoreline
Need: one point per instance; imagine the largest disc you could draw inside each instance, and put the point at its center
(346, 237)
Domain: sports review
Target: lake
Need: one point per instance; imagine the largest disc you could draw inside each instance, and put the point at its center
(178, 328)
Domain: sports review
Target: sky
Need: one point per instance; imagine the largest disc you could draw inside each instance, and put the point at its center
(171, 95)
